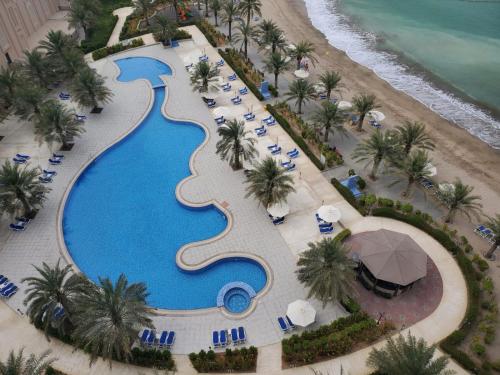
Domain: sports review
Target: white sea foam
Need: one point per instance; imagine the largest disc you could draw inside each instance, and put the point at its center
(360, 47)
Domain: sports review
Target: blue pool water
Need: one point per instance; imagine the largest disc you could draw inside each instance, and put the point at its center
(122, 215)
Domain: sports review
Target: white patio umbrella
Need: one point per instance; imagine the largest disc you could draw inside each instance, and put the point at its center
(329, 214)
(432, 169)
(343, 104)
(319, 87)
(301, 313)
(279, 209)
(376, 115)
(292, 47)
(301, 73)
(447, 187)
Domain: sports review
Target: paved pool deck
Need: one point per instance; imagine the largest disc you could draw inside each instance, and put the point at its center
(251, 231)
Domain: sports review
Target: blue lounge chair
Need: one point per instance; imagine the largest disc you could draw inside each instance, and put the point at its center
(223, 338)
(261, 133)
(45, 179)
(163, 339)
(285, 164)
(322, 96)
(189, 66)
(3, 280)
(215, 339)
(284, 327)
(57, 156)
(220, 62)
(269, 118)
(49, 173)
(290, 323)
(6, 287)
(144, 337)
(7, 293)
(226, 87)
(19, 161)
(80, 118)
(270, 147)
(151, 338)
(319, 220)
(290, 167)
(64, 96)
(23, 220)
(236, 100)
(55, 161)
(23, 156)
(211, 104)
(293, 153)
(279, 220)
(325, 224)
(479, 228)
(203, 58)
(249, 116)
(232, 77)
(271, 122)
(17, 227)
(276, 151)
(326, 229)
(234, 336)
(170, 339)
(242, 335)
(220, 120)
(486, 233)
(175, 43)
(264, 90)
(243, 91)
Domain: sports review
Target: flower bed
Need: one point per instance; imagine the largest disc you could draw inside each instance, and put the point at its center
(106, 51)
(333, 340)
(235, 360)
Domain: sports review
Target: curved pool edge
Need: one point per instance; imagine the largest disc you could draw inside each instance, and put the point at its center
(64, 251)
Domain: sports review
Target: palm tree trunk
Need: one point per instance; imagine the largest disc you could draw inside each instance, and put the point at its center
(298, 62)
(300, 107)
(449, 215)
(246, 48)
(406, 193)
(360, 122)
(328, 94)
(248, 18)
(27, 211)
(215, 16)
(373, 173)
(176, 11)
(492, 249)
(276, 80)
(206, 8)
(327, 132)
(229, 25)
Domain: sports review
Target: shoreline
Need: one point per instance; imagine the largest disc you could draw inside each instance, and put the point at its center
(458, 153)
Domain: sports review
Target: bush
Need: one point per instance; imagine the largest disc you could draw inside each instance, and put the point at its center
(351, 305)
(343, 235)
(103, 52)
(361, 183)
(407, 208)
(232, 360)
(481, 264)
(274, 91)
(385, 202)
(478, 348)
(100, 33)
(160, 359)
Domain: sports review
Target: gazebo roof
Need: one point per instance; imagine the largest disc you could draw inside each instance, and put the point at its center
(390, 256)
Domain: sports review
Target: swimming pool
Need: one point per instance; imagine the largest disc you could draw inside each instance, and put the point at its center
(122, 215)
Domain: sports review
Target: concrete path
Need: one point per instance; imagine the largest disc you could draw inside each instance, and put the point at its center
(122, 14)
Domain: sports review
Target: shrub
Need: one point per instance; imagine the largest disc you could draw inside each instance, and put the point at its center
(407, 208)
(351, 305)
(99, 35)
(481, 264)
(274, 91)
(478, 348)
(488, 285)
(385, 202)
(361, 183)
(351, 172)
(343, 235)
(52, 371)
(160, 359)
(103, 52)
(230, 361)
(214, 37)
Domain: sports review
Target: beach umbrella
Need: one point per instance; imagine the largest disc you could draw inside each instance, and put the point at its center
(447, 187)
(292, 47)
(224, 111)
(344, 105)
(319, 88)
(301, 313)
(279, 209)
(330, 214)
(432, 169)
(301, 73)
(376, 115)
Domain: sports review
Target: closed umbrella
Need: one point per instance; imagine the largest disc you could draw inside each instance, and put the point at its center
(432, 169)
(279, 209)
(329, 214)
(301, 313)
(344, 105)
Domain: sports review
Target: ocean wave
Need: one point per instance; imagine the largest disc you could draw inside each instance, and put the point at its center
(361, 48)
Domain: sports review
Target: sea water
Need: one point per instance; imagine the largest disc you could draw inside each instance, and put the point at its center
(444, 53)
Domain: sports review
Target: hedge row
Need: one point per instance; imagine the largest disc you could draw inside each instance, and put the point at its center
(100, 33)
(103, 52)
(235, 360)
(296, 137)
(251, 86)
(332, 340)
(450, 343)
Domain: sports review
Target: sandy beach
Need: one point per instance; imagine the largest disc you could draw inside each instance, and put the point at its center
(458, 154)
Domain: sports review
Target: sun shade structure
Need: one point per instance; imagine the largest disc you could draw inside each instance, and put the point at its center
(301, 73)
(432, 169)
(279, 210)
(343, 104)
(390, 256)
(376, 115)
(301, 313)
(329, 214)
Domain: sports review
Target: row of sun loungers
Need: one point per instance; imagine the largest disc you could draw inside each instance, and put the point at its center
(221, 338)
(285, 324)
(150, 339)
(485, 232)
(426, 183)
(20, 224)
(23, 159)
(7, 289)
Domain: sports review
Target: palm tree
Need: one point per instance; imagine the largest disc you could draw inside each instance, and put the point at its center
(144, 6)
(379, 148)
(109, 317)
(216, 6)
(53, 288)
(203, 76)
(28, 100)
(494, 225)
(412, 134)
(269, 183)
(300, 90)
(413, 168)
(304, 49)
(230, 11)
(459, 199)
(249, 8)
(206, 8)
(81, 14)
(175, 5)
(330, 81)
(330, 116)
(276, 64)
(407, 356)
(245, 33)
(363, 104)
(37, 67)
(55, 123)
(165, 28)
(73, 62)
(269, 34)
(9, 78)
(16, 364)
(21, 193)
(327, 270)
(56, 44)
(89, 89)
(235, 143)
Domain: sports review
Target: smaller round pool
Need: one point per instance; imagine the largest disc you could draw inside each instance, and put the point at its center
(235, 297)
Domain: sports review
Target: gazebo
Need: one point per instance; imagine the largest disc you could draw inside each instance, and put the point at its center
(389, 263)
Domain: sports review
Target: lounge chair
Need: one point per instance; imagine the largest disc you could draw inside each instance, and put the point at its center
(226, 87)
(250, 117)
(269, 118)
(3, 280)
(80, 118)
(375, 124)
(215, 339)
(151, 338)
(261, 133)
(487, 233)
(293, 153)
(243, 91)
(23, 156)
(271, 122)
(220, 120)
(276, 151)
(220, 62)
(285, 164)
(45, 179)
(19, 161)
(170, 339)
(163, 339)
(6, 287)
(322, 96)
(64, 96)
(279, 220)
(17, 227)
(57, 156)
(23, 220)
(232, 77)
(189, 66)
(290, 323)
(326, 229)
(479, 228)
(10, 292)
(223, 337)
(55, 161)
(175, 43)
(211, 104)
(320, 220)
(236, 100)
(234, 336)
(49, 173)
(242, 335)
(290, 167)
(284, 327)
(271, 147)
(144, 337)
(203, 58)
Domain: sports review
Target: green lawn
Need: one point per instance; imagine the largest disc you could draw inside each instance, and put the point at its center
(100, 33)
